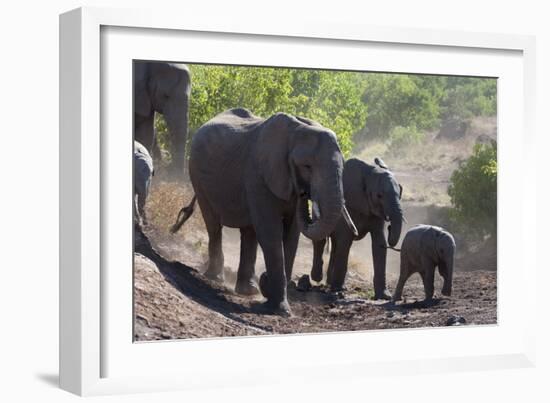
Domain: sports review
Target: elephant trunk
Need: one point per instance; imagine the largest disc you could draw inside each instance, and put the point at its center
(396, 222)
(177, 122)
(327, 207)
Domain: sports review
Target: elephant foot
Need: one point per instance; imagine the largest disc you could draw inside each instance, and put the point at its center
(281, 308)
(337, 288)
(216, 276)
(384, 294)
(446, 293)
(247, 288)
(317, 276)
(263, 285)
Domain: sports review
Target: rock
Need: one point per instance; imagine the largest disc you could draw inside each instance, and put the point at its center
(304, 284)
(455, 321)
(453, 129)
(485, 139)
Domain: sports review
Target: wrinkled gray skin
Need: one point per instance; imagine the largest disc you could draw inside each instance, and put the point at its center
(162, 88)
(372, 197)
(257, 175)
(143, 173)
(425, 247)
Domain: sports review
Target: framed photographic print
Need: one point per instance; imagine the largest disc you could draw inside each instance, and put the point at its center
(272, 191)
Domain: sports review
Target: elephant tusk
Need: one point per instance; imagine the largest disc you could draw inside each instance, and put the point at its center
(349, 221)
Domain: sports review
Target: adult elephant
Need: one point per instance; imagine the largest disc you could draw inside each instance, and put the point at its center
(259, 175)
(372, 197)
(162, 88)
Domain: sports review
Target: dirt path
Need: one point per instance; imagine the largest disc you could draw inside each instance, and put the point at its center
(174, 301)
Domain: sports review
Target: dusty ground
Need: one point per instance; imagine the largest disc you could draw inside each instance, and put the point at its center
(173, 300)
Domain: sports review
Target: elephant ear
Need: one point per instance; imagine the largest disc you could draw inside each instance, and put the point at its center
(273, 154)
(378, 161)
(142, 98)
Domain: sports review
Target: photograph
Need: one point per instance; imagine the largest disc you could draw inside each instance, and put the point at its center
(274, 200)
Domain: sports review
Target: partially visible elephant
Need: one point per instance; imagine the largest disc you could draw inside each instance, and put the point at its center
(259, 175)
(143, 173)
(372, 197)
(164, 88)
(425, 247)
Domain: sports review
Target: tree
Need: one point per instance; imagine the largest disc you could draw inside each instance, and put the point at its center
(333, 98)
(398, 100)
(473, 192)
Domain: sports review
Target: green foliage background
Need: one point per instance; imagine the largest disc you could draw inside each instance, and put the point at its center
(357, 106)
(395, 109)
(473, 192)
(331, 98)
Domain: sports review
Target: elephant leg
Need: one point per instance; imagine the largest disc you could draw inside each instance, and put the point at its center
(214, 229)
(428, 279)
(379, 253)
(273, 282)
(144, 133)
(249, 246)
(141, 207)
(269, 232)
(404, 274)
(338, 264)
(291, 235)
(317, 267)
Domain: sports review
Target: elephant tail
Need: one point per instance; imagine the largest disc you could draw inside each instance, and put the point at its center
(184, 215)
(392, 248)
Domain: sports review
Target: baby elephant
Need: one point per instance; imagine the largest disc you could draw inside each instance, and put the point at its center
(143, 172)
(425, 247)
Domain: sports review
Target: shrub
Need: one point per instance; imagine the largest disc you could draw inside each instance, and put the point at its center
(398, 100)
(401, 137)
(333, 98)
(473, 192)
(466, 97)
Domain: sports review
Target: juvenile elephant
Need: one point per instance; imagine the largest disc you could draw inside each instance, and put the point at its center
(425, 247)
(143, 173)
(164, 88)
(259, 175)
(372, 197)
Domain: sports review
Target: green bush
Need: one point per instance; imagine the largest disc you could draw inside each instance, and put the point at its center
(401, 137)
(399, 106)
(473, 192)
(423, 101)
(466, 97)
(333, 98)
(398, 100)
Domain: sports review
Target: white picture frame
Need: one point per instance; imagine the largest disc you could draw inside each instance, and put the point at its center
(96, 353)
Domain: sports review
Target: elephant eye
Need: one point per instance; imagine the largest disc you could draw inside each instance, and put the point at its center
(305, 168)
(379, 195)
